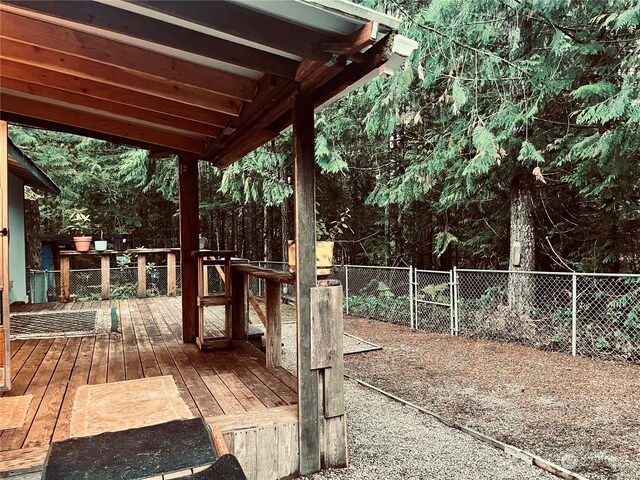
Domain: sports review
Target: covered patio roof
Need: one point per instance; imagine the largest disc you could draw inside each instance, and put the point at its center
(215, 79)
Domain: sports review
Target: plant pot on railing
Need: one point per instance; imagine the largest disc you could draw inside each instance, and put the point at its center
(120, 241)
(324, 258)
(101, 245)
(83, 243)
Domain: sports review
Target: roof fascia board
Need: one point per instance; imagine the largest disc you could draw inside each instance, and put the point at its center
(45, 182)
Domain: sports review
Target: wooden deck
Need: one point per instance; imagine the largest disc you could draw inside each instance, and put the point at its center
(149, 344)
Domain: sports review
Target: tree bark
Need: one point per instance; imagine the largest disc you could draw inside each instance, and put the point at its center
(33, 234)
(522, 236)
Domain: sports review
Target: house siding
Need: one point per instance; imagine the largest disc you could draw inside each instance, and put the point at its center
(17, 244)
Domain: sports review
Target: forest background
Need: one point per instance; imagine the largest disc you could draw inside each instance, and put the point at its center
(515, 120)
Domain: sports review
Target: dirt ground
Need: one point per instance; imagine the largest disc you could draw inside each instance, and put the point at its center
(581, 413)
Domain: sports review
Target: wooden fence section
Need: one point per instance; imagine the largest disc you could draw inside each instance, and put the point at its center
(105, 270)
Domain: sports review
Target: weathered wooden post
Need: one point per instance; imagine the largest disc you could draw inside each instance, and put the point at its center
(189, 228)
(142, 275)
(274, 324)
(239, 305)
(64, 279)
(305, 237)
(327, 333)
(105, 275)
(171, 274)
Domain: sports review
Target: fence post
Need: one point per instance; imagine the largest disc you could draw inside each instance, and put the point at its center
(456, 314)
(346, 287)
(412, 324)
(451, 302)
(171, 274)
(574, 313)
(142, 275)
(105, 276)
(64, 279)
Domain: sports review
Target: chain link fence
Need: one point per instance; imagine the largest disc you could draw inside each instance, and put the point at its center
(381, 293)
(577, 313)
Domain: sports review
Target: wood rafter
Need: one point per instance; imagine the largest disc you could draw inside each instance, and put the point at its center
(100, 90)
(9, 85)
(67, 116)
(113, 19)
(129, 58)
(87, 69)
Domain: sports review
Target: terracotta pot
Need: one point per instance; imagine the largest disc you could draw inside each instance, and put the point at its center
(83, 244)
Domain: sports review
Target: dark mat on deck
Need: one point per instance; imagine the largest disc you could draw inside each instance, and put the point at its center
(226, 468)
(132, 454)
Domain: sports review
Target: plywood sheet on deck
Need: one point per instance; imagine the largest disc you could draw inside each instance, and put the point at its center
(13, 411)
(116, 406)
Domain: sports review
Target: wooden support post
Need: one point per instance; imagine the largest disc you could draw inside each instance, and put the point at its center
(105, 275)
(273, 325)
(305, 237)
(189, 228)
(239, 306)
(171, 274)
(201, 293)
(64, 279)
(142, 275)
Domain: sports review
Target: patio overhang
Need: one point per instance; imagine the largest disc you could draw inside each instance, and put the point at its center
(212, 81)
(23, 167)
(215, 79)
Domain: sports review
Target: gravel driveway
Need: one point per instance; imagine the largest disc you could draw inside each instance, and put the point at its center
(388, 440)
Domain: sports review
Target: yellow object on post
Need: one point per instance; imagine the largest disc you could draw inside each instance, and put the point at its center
(324, 257)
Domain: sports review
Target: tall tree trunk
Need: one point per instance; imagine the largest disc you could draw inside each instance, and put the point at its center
(33, 234)
(521, 239)
(267, 234)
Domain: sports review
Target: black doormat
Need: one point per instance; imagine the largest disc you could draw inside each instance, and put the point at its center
(65, 323)
(132, 454)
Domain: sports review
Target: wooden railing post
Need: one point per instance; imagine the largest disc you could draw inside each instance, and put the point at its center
(239, 305)
(64, 279)
(327, 330)
(171, 274)
(274, 325)
(105, 277)
(142, 275)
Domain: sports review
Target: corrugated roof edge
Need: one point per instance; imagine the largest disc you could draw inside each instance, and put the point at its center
(358, 11)
(27, 163)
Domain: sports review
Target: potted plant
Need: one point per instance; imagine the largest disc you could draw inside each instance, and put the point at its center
(78, 222)
(324, 248)
(101, 245)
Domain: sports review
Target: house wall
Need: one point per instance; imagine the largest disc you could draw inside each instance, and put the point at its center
(17, 244)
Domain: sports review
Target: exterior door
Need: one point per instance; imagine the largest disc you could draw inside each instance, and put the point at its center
(5, 354)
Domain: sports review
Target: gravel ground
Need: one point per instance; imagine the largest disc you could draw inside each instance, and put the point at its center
(581, 413)
(388, 440)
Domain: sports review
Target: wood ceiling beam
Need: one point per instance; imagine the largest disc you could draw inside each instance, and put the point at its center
(55, 113)
(87, 69)
(83, 132)
(104, 91)
(251, 25)
(127, 112)
(133, 59)
(113, 19)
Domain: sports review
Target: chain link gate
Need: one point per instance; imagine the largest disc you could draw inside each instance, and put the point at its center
(433, 299)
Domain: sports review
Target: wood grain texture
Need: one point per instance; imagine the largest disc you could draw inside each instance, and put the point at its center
(105, 276)
(274, 324)
(189, 229)
(210, 383)
(304, 194)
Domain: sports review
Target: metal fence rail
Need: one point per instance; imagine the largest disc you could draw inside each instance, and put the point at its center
(589, 314)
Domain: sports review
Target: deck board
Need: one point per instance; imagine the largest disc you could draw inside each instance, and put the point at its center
(148, 344)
